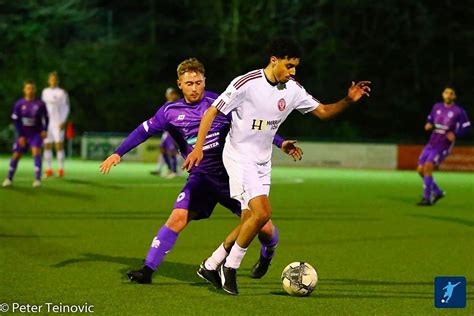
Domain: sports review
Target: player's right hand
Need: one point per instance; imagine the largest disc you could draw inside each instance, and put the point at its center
(428, 127)
(193, 159)
(108, 163)
(22, 141)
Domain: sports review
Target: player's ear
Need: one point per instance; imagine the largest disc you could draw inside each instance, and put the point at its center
(178, 82)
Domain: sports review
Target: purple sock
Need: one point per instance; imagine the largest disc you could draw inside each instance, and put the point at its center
(437, 191)
(37, 160)
(268, 246)
(174, 163)
(161, 245)
(167, 161)
(428, 187)
(12, 170)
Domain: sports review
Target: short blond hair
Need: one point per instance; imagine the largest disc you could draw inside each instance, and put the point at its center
(190, 64)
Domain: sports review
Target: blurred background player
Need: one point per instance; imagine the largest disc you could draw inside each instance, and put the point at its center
(31, 122)
(168, 148)
(57, 103)
(447, 121)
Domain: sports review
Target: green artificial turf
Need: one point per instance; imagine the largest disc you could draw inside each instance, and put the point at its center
(376, 253)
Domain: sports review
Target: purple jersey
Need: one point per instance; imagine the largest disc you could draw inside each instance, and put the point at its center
(30, 117)
(181, 120)
(447, 119)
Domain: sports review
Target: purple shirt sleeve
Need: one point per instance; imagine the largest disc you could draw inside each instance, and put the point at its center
(464, 125)
(44, 117)
(144, 131)
(430, 118)
(16, 117)
(278, 140)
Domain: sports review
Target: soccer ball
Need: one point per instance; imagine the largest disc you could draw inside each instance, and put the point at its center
(299, 278)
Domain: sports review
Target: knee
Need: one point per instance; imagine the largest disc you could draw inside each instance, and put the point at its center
(59, 146)
(428, 169)
(16, 156)
(177, 220)
(420, 170)
(262, 216)
(267, 229)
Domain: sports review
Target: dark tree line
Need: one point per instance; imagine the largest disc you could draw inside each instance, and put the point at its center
(117, 57)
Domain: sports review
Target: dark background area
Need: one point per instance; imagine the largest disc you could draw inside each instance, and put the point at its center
(116, 58)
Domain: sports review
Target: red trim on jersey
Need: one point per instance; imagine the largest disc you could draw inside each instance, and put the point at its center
(253, 73)
(220, 104)
(247, 80)
(297, 83)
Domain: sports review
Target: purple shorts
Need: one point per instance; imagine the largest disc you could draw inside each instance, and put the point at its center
(167, 143)
(433, 155)
(34, 140)
(202, 192)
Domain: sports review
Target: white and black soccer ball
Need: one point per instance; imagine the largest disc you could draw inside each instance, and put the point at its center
(299, 278)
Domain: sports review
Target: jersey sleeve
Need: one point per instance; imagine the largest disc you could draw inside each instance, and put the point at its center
(143, 131)
(44, 118)
(230, 99)
(430, 118)
(304, 102)
(16, 118)
(463, 124)
(65, 108)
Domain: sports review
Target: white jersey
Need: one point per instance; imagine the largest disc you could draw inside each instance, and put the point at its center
(258, 108)
(57, 103)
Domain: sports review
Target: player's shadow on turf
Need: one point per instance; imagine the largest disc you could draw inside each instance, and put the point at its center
(447, 219)
(34, 192)
(174, 270)
(396, 198)
(92, 184)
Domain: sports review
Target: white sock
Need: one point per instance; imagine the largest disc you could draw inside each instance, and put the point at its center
(235, 257)
(161, 163)
(60, 157)
(216, 259)
(48, 155)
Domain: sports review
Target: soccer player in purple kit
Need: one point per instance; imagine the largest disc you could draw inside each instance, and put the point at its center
(207, 184)
(447, 121)
(30, 117)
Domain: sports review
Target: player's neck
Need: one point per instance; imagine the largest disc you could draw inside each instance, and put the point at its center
(269, 75)
(29, 98)
(448, 104)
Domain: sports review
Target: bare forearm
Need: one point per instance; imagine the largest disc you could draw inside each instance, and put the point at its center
(327, 111)
(205, 126)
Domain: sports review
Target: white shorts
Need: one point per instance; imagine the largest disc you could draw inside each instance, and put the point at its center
(247, 179)
(55, 134)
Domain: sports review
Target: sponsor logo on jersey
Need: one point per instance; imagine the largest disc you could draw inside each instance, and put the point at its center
(438, 112)
(281, 104)
(259, 124)
(181, 117)
(450, 114)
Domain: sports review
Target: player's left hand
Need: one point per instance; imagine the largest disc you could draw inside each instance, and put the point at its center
(62, 126)
(108, 163)
(289, 148)
(451, 136)
(44, 134)
(193, 159)
(358, 90)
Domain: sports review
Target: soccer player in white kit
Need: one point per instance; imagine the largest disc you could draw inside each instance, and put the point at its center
(57, 103)
(259, 102)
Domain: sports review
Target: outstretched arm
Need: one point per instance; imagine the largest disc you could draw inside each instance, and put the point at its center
(355, 92)
(195, 157)
(135, 138)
